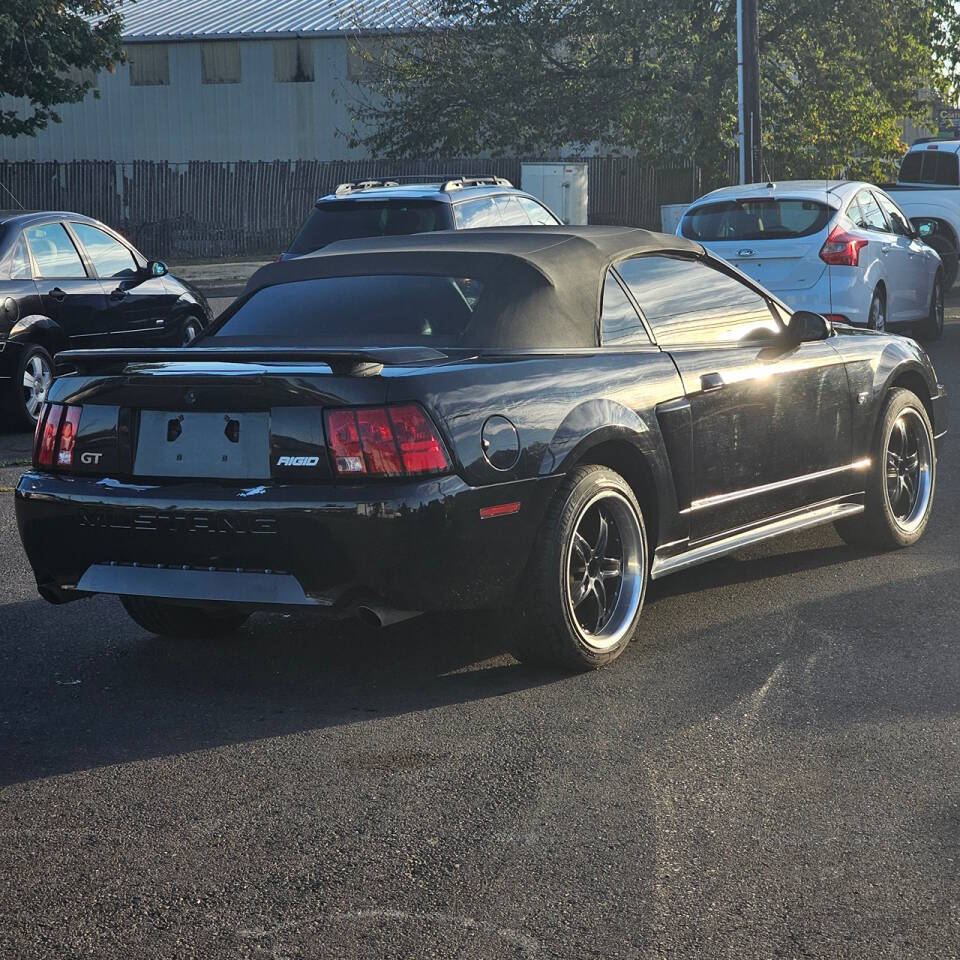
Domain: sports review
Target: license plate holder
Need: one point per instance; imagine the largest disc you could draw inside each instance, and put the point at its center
(219, 445)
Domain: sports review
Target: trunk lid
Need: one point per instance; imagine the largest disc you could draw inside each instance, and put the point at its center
(779, 265)
(239, 414)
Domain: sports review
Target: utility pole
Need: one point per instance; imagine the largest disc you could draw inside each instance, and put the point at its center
(748, 88)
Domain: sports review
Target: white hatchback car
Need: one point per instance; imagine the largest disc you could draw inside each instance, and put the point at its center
(841, 249)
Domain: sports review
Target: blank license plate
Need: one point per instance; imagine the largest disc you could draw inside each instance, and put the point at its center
(228, 445)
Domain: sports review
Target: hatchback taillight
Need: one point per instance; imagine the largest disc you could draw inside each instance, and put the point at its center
(841, 249)
(393, 441)
(56, 435)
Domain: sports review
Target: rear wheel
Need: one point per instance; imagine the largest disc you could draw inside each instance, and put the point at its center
(173, 620)
(29, 387)
(588, 576)
(900, 487)
(877, 318)
(932, 327)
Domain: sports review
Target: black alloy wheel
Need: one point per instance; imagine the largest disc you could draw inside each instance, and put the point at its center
(902, 477)
(587, 577)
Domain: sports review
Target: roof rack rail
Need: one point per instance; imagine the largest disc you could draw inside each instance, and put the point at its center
(459, 183)
(359, 185)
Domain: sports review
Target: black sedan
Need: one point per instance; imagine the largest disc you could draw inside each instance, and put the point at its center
(69, 281)
(534, 420)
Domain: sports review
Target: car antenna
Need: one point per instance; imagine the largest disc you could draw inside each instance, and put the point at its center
(15, 200)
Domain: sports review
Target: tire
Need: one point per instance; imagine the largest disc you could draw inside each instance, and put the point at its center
(932, 327)
(192, 328)
(24, 400)
(897, 508)
(877, 318)
(173, 620)
(949, 258)
(593, 528)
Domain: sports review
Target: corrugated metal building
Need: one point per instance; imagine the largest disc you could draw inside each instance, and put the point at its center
(208, 80)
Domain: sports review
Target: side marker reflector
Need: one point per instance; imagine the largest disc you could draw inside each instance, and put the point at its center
(500, 510)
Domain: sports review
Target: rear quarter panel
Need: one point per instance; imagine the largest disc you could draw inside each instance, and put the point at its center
(561, 405)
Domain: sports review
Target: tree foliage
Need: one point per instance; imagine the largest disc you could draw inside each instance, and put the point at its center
(655, 77)
(46, 47)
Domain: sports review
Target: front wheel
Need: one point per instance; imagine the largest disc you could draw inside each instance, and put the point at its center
(191, 330)
(588, 575)
(173, 620)
(900, 487)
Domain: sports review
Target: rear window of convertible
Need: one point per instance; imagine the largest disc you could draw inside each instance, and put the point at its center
(755, 219)
(420, 310)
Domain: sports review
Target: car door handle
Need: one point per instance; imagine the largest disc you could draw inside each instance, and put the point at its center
(710, 382)
(57, 294)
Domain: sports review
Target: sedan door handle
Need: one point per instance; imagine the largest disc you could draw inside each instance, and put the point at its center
(710, 382)
(58, 294)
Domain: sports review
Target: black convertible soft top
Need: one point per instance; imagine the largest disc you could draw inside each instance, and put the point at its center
(547, 280)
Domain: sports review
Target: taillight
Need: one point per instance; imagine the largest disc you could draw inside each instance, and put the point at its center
(394, 441)
(842, 249)
(56, 436)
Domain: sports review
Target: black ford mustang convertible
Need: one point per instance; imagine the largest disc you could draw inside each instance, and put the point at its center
(537, 419)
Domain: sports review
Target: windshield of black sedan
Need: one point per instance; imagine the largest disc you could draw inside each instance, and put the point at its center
(368, 309)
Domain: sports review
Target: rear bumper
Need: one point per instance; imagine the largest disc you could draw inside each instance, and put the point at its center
(417, 546)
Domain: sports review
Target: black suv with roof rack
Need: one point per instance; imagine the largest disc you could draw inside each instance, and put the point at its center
(390, 208)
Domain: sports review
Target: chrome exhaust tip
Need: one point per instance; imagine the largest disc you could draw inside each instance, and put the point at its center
(374, 615)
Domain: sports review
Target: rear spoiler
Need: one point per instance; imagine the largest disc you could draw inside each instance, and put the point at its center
(342, 360)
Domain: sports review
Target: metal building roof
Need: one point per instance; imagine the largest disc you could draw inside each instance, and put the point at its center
(202, 19)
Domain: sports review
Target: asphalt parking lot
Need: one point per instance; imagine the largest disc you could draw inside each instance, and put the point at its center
(769, 771)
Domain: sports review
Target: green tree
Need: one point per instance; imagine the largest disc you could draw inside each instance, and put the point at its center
(45, 48)
(655, 77)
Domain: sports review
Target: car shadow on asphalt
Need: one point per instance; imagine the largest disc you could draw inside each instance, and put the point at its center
(85, 688)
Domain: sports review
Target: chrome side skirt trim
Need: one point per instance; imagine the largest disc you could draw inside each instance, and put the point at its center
(813, 517)
(724, 498)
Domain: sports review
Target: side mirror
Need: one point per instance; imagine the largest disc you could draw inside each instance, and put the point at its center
(807, 327)
(157, 268)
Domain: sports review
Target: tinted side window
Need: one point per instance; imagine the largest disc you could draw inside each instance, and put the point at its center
(54, 251)
(539, 215)
(912, 167)
(476, 213)
(945, 171)
(871, 216)
(898, 221)
(511, 213)
(686, 302)
(110, 257)
(619, 322)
